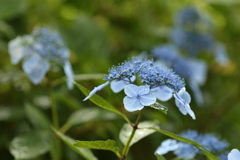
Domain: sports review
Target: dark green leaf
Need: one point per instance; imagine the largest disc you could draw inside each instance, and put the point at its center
(139, 134)
(160, 157)
(103, 145)
(31, 145)
(101, 102)
(84, 152)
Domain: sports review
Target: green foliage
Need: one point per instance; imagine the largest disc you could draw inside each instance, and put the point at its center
(99, 101)
(31, 145)
(84, 152)
(160, 157)
(103, 145)
(37, 118)
(139, 134)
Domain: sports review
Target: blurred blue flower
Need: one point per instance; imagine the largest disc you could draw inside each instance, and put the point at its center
(234, 155)
(187, 151)
(38, 50)
(137, 97)
(166, 146)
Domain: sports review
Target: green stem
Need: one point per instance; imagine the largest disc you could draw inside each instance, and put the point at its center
(135, 127)
(54, 110)
(57, 153)
(65, 127)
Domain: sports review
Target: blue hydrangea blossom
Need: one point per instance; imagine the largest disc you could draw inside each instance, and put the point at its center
(38, 50)
(166, 146)
(137, 97)
(234, 155)
(159, 82)
(187, 151)
(193, 70)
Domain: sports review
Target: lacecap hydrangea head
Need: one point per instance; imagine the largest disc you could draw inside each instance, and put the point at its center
(38, 50)
(158, 82)
(187, 151)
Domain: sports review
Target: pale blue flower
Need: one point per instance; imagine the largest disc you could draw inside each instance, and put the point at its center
(69, 74)
(98, 88)
(221, 54)
(36, 68)
(182, 100)
(117, 86)
(137, 97)
(38, 50)
(234, 155)
(166, 146)
(163, 93)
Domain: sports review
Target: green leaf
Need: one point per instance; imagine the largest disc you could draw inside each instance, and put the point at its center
(11, 113)
(31, 145)
(104, 145)
(139, 134)
(101, 102)
(200, 147)
(160, 107)
(36, 117)
(160, 157)
(86, 115)
(89, 114)
(11, 8)
(84, 152)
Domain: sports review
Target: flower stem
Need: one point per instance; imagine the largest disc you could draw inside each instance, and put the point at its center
(57, 153)
(135, 127)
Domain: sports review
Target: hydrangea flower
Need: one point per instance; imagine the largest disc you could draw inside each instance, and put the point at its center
(166, 146)
(38, 50)
(234, 155)
(187, 151)
(158, 82)
(137, 97)
(194, 71)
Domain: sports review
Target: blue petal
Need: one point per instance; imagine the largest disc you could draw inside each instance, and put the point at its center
(117, 86)
(147, 99)
(221, 55)
(69, 73)
(132, 104)
(36, 68)
(234, 155)
(166, 146)
(143, 90)
(163, 93)
(16, 50)
(131, 90)
(182, 98)
(197, 92)
(200, 71)
(98, 88)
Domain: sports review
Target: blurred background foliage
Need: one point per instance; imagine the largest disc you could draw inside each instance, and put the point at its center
(102, 33)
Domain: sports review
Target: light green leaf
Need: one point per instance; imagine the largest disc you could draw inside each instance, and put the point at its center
(103, 145)
(159, 107)
(139, 134)
(160, 157)
(89, 114)
(101, 102)
(84, 152)
(31, 145)
(36, 117)
(200, 147)
(86, 115)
